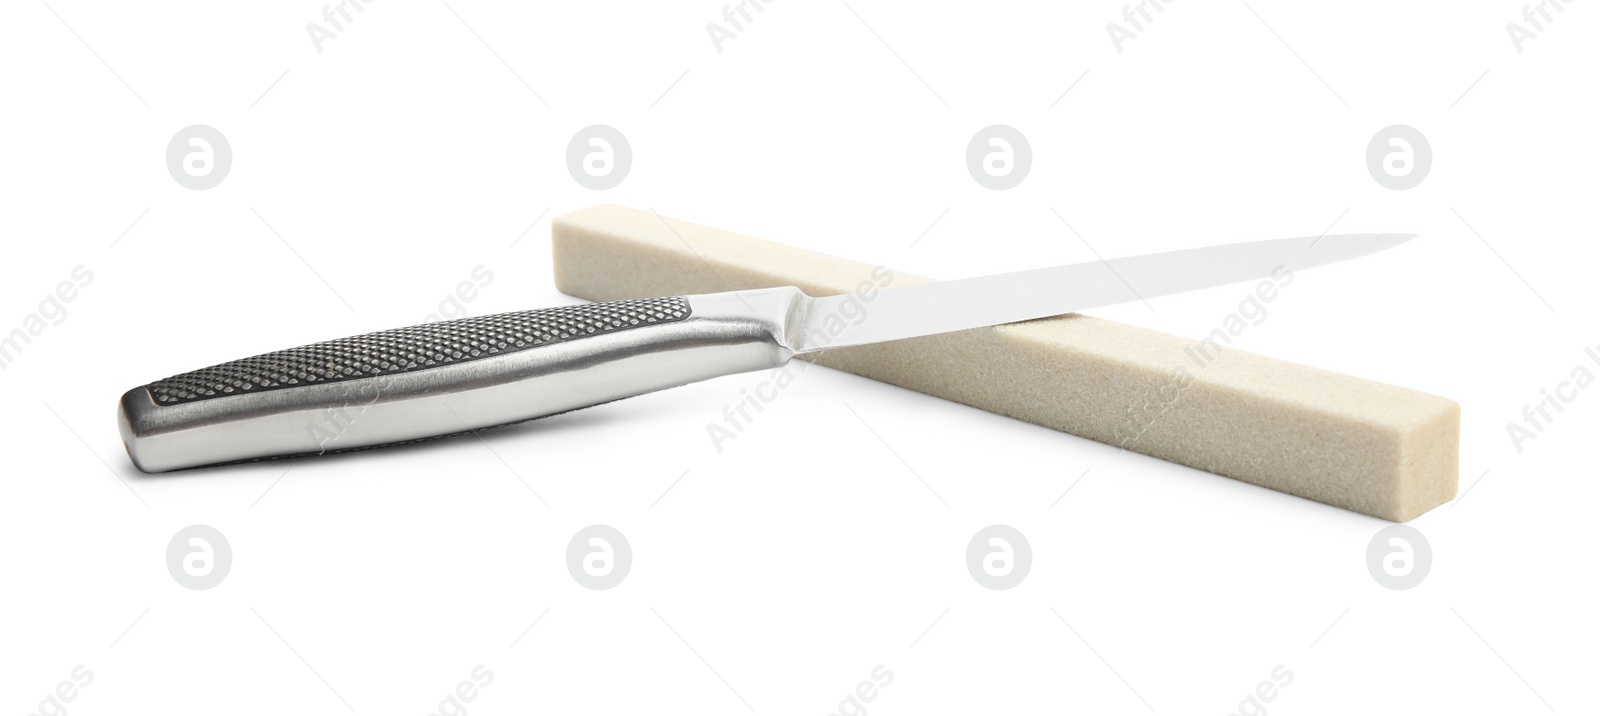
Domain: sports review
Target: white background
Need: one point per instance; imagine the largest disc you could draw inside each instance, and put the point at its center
(774, 577)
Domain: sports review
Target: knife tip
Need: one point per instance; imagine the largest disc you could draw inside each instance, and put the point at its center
(1353, 245)
(1389, 241)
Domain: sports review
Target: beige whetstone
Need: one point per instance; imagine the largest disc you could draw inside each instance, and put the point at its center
(1378, 449)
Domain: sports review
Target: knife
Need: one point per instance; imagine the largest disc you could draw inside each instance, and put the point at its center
(452, 377)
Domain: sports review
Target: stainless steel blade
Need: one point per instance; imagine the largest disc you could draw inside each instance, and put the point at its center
(963, 304)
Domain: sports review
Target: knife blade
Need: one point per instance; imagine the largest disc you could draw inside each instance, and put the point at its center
(452, 377)
(948, 306)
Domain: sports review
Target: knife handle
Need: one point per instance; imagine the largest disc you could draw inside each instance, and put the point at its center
(450, 377)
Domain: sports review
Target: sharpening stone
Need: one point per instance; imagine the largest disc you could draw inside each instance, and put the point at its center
(1377, 449)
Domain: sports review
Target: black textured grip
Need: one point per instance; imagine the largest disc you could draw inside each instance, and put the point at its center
(416, 348)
